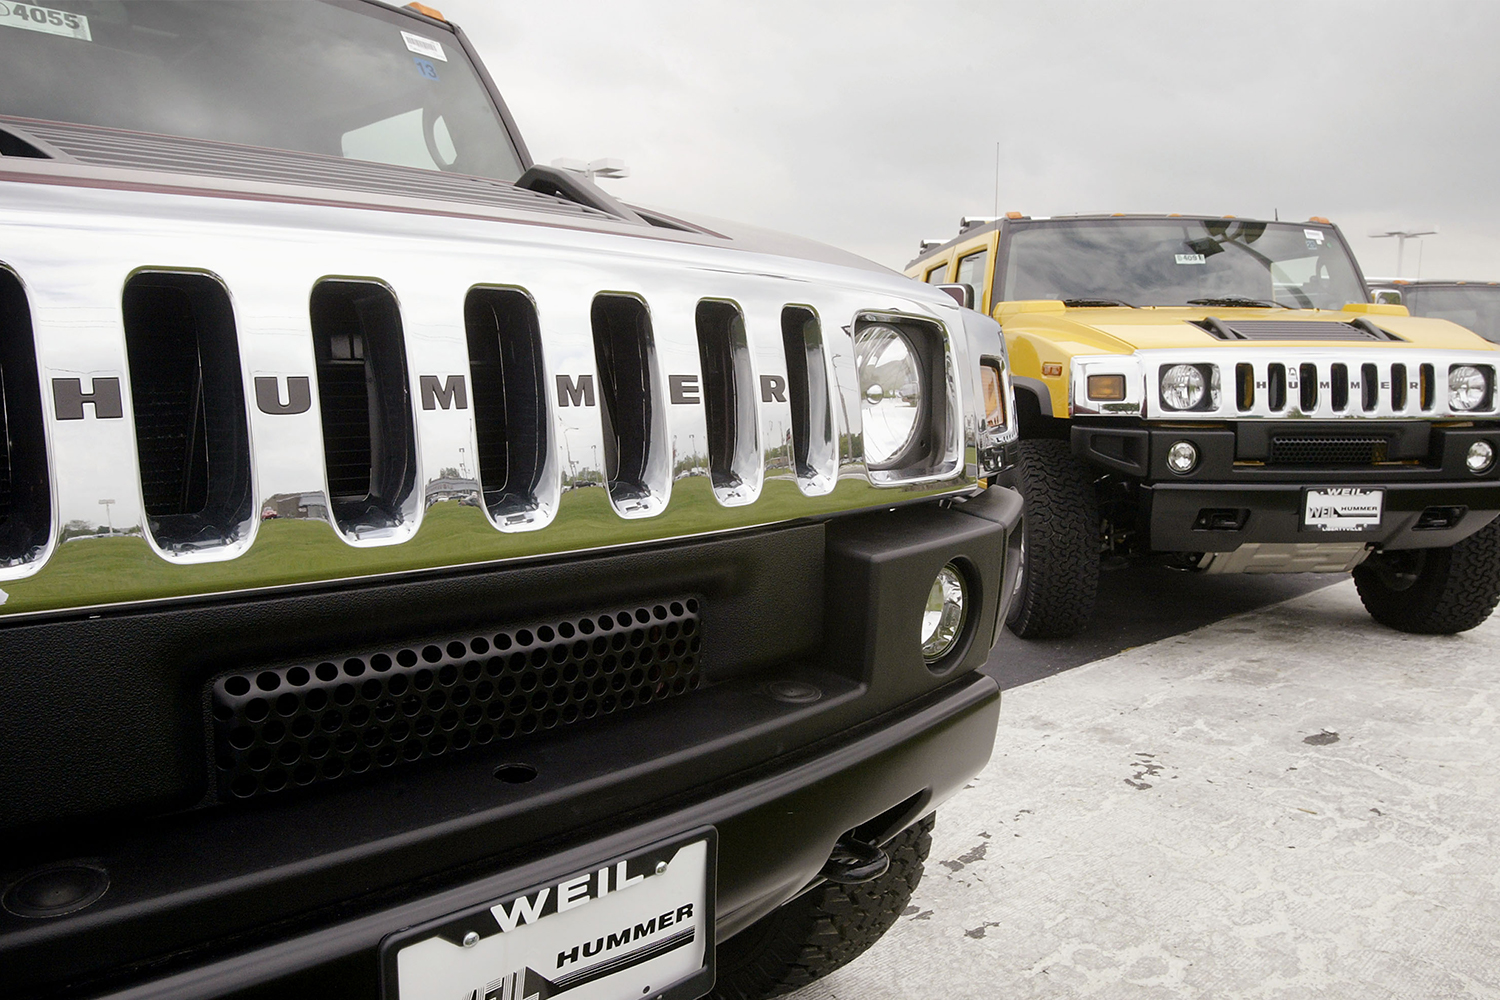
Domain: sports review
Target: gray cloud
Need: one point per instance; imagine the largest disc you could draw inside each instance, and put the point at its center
(872, 125)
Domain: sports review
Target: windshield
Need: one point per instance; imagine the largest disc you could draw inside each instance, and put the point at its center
(343, 79)
(1178, 262)
(1475, 307)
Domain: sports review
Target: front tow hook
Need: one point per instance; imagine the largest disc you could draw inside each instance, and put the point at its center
(854, 861)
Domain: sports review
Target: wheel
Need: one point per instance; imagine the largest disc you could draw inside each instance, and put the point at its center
(1060, 540)
(823, 929)
(1434, 591)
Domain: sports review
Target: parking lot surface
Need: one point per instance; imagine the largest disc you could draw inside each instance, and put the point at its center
(1291, 802)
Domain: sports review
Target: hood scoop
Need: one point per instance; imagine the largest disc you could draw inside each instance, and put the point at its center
(1293, 329)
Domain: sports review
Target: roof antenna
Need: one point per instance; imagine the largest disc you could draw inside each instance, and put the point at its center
(1276, 214)
(997, 178)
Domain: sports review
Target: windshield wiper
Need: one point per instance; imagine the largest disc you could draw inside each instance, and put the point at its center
(1089, 303)
(1237, 301)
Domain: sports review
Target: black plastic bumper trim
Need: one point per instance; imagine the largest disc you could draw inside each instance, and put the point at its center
(940, 746)
(1275, 513)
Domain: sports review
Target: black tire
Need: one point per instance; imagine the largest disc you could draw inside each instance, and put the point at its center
(821, 930)
(1434, 591)
(1060, 573)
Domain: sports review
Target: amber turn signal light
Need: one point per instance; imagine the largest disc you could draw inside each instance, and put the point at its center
(1106, 387)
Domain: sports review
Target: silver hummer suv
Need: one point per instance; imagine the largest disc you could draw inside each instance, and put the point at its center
(422, 575)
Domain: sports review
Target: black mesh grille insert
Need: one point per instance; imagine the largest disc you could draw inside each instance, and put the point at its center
(1315, 450)
(300, 725)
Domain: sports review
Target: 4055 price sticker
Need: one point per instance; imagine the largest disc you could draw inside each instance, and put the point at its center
(30, 17)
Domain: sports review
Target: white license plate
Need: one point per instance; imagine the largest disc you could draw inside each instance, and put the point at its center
(1340, 508)
(630, 928)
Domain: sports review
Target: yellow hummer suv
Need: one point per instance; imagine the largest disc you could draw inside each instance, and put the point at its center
(1222, 395)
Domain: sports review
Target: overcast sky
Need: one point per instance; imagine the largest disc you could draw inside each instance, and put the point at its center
(871, 125)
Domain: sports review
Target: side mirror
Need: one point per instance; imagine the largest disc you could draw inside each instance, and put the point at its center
(1387, 296)
(962, 294)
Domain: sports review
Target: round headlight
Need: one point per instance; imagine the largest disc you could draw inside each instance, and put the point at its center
(943, 620)
(890, 391)
(1467, 387)
(1480, 457)
(1182, 457)
(1182, 387)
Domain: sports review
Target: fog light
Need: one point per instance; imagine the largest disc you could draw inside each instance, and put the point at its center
(1182, 457)
(947, 607)
(1481, 456)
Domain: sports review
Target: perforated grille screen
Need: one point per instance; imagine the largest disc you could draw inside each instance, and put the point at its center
(1305, 450)
(298, 725)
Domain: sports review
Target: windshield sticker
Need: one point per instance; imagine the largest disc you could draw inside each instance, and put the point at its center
(426, 68)
(1313, 234)
(424, 46)
(44, 19)
(1191, 258)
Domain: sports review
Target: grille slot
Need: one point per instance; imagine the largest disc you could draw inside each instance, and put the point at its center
(728, 398)
(189, 407)
(505, 367)
(807, 387)
(1339, 390)
(1398, 387)
(1302, 449)
(1307, 377)
(1369, 384)
(1276, 388)
(306, 724)
(25, 488)
(625, 353)
(368, 443)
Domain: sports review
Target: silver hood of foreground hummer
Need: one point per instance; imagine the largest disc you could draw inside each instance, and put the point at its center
(318, 310)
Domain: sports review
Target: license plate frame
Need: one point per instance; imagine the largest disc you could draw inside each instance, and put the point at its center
(1342, 509)
(517, 963)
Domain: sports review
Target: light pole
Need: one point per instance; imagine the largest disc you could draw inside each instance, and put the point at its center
(109, 519)
(1402, 235)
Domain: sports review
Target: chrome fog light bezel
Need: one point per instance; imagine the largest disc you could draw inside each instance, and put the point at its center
(1182, 457)
(945, 614)
(1485, 451)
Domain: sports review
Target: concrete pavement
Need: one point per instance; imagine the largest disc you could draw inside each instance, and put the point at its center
(1290, 803)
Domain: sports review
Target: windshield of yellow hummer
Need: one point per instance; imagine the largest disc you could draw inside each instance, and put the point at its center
(345, 79)
(1179, 262)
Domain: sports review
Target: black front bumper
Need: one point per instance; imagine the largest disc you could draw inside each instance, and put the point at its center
(818, 717)
(1233, 497)
(775, 832)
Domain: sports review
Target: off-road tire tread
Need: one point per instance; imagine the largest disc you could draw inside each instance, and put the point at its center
(1062, 542)
(823, 929)
(1456, 590)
